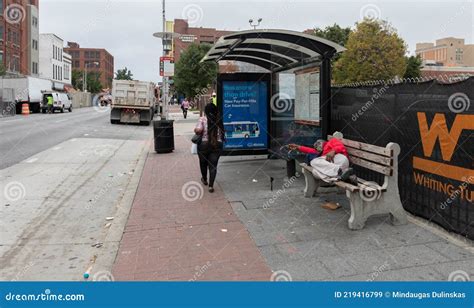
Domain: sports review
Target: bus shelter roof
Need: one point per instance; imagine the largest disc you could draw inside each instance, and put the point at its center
(273, 50)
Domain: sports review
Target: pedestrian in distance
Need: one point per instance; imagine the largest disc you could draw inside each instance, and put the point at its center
(185, 107)
(211, 129)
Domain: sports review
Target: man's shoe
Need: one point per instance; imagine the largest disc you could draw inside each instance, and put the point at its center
(352, 180)
(204, 182)
(346, 175)
(211, 189)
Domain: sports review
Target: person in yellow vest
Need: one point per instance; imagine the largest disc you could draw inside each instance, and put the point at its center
(214, 98)
(50, 103)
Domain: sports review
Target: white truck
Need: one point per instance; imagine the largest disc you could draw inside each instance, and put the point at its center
(133, 101)
(26, 90)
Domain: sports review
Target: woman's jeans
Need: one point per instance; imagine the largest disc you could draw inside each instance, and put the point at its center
(208, 159)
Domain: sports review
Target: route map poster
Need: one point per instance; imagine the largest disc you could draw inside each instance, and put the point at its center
(245, 113)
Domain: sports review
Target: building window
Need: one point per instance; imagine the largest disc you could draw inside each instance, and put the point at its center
(1, 32)
(34, 21)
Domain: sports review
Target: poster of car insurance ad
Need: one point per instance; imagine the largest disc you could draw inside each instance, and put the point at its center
(245, 113)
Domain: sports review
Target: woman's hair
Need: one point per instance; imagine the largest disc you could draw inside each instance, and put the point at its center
(214, 124)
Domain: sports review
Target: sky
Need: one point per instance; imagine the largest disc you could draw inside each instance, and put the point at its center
(125, 27)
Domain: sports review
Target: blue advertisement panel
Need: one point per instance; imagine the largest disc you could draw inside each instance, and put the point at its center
(245, 114)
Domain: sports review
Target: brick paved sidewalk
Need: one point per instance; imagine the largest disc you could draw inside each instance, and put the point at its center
(178, 231)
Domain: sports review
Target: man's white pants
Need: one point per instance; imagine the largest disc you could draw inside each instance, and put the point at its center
(328, 171)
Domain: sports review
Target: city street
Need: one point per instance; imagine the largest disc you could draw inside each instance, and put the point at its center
(68, 181)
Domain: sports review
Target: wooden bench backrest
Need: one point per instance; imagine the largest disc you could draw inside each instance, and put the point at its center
(370, 156)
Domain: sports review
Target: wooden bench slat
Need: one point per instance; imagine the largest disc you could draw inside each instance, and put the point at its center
(366, 147)
(347, 186)
(372, 166)
(382, 160)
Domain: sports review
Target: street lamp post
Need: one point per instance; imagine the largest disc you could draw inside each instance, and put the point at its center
(259, 21)
(84, 83)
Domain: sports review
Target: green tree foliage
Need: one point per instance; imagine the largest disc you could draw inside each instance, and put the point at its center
(374, 51)
(93, 81)
(124, 74)
(334, 33)
(413, 67)
(191, 76)
(3, 71)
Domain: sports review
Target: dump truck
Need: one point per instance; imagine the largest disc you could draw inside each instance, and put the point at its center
(133, 101)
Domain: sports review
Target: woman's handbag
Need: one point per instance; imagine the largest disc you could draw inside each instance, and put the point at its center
(197, 139)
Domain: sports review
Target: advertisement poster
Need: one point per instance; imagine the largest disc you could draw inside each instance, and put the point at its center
(245, 111)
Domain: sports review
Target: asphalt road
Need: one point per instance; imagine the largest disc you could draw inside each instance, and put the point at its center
(24, 136)
(67, 182)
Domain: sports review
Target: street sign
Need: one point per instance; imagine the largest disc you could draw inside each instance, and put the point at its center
(166, 66)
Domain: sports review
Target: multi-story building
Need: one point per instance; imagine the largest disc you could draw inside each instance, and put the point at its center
(54, 63)
(96, 60)
(19, 36)
(189, 35)
(448, 52)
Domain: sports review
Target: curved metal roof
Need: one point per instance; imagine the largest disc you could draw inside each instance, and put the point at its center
(274, 50)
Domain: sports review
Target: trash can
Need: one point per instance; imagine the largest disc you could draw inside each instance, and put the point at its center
(164, 136)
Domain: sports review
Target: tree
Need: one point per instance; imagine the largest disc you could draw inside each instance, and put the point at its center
(374, 51)
(191, 76)
(3, 71)
(414, 64)
(334, 33)
(93, 81)
(124, 74)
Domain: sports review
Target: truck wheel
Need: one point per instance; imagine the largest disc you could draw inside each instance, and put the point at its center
(62, 109)
(146, 123)
(114, 121)
(70, 108)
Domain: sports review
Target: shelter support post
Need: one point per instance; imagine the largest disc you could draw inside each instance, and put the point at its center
(325, 97)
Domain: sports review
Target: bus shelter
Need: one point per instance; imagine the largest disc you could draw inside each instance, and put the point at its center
(287, 101)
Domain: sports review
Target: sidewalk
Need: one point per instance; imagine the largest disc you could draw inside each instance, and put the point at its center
(178, 231)
(246, 231)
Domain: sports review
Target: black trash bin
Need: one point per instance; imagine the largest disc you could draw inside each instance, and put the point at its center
(164, 136)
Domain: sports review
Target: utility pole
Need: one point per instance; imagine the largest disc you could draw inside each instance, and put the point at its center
(165, 79)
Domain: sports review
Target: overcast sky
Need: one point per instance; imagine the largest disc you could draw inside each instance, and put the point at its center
(125, 27)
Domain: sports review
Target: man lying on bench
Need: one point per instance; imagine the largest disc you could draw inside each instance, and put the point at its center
(330, 160)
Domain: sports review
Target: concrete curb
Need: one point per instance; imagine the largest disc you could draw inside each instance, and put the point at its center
(105, 260)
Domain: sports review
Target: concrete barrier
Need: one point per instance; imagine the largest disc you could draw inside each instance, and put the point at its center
(81, 99)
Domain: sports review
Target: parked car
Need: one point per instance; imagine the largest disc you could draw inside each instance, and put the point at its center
(61, 101)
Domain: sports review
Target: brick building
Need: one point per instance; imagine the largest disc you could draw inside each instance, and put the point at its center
(189, 35)
(449, 52)
(96, 60)
(19, 32)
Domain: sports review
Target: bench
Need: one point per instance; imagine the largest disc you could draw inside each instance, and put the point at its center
(367, 198)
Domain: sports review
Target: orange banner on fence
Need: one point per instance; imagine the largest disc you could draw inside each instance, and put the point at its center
(447, 171)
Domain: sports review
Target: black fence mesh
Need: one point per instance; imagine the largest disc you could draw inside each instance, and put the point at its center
(429, 121)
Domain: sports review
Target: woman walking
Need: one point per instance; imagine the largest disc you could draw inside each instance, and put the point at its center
(185, 107)
(211, 128)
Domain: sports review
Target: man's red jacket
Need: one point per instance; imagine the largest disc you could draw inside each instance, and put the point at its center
(332, 145)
